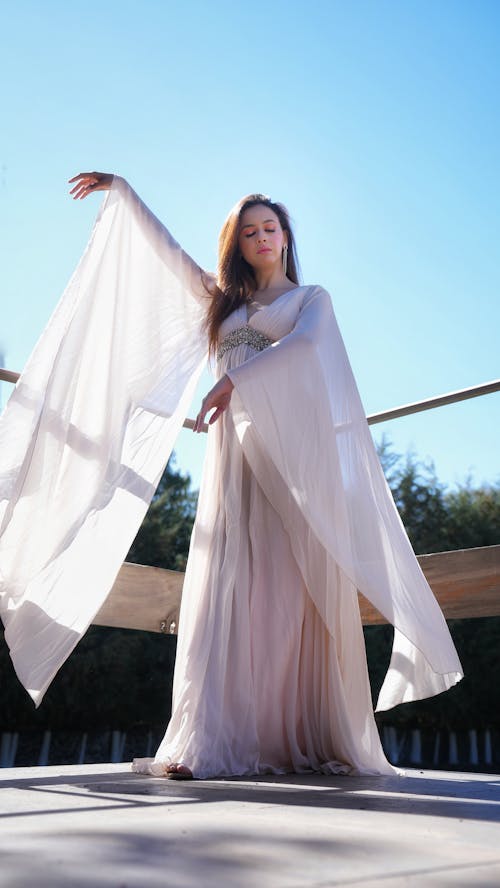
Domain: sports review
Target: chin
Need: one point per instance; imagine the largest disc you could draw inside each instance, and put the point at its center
(266, 259)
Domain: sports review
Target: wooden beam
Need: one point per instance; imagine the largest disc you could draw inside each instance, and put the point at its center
(466, 582)
(143, 597)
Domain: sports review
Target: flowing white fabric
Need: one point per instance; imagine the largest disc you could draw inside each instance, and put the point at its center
(294, 513)
(271, 663)
(297, 408)
(87, 432)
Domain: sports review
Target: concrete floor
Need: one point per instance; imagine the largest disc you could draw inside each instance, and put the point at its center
(103, 825)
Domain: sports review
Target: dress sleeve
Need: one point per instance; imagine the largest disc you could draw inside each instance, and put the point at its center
(193, 278)
(296, 408)
(89, 428)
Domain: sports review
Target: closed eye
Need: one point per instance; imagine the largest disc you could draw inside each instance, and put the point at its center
(269, 231)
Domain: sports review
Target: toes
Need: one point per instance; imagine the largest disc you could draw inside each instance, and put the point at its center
(178, 768)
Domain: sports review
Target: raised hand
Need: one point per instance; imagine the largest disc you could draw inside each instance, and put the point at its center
(87, 183)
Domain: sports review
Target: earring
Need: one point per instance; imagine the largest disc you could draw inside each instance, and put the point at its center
(285, 258)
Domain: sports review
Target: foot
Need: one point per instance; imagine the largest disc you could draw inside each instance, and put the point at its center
(177, 771)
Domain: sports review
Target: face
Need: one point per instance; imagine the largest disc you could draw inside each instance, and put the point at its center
(261, 237)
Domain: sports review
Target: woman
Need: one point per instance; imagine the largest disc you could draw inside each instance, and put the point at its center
(294, 514)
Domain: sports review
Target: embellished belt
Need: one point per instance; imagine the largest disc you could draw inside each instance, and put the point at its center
(247, 334)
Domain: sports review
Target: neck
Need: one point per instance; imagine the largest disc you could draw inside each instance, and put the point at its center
(270, 280)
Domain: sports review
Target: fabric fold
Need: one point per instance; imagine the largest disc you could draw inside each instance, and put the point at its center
(89, 428)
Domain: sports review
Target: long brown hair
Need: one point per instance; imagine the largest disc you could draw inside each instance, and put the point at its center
(236, 280)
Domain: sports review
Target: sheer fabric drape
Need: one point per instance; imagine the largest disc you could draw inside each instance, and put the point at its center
(90, 426)
(86, 434)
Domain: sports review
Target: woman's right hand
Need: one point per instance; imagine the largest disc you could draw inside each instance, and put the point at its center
(87, 183)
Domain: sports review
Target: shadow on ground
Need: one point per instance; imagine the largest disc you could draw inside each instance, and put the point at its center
(463, 796)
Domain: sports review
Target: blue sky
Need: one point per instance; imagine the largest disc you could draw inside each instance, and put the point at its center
(376, 123)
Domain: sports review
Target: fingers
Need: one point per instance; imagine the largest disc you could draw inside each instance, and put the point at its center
(80, 176)
(83, 178)
(218, 397)
(199, 421)
(86, 183)
(215, 415)
(91, 175)
(81, 192)
(206, 405)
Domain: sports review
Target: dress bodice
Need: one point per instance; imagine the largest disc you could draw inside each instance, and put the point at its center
(272, 321)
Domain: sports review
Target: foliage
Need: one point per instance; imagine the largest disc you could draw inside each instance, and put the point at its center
(114, 679)
(163, 539)
(473, 516)
(437, 520)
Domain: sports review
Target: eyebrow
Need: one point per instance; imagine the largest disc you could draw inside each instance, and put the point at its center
(252, 224)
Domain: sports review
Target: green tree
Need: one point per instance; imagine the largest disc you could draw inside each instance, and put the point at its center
(419, 497)
(163, 538)
(473, 516)
(437, 520)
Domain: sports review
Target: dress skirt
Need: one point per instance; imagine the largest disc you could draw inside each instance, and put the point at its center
(260, 685)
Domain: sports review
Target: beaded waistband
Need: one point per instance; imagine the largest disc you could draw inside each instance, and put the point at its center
(247, 334)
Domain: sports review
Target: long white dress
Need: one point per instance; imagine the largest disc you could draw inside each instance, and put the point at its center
(294, 514)
(260, 683)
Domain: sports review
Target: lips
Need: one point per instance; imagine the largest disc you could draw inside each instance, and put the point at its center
(264, 250)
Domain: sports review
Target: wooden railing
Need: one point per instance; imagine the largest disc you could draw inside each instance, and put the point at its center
(466, 582)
